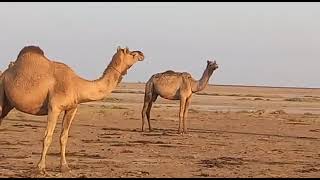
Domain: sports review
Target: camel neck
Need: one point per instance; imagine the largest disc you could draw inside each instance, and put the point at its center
(202, 82)
(100, 88)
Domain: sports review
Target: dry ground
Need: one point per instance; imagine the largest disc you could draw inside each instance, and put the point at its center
(233, 132)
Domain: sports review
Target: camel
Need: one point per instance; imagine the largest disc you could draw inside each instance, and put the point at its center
(39, 86)
(9, 65)
(173, 85)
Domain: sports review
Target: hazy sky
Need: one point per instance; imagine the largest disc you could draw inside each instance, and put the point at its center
(262, 43)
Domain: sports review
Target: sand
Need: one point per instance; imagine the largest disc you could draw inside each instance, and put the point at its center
(234, 131)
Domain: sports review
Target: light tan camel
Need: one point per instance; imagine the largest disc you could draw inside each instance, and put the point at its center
(9, 65)
(39, 86)
(174, 86)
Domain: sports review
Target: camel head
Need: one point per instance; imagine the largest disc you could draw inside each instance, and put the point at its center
(212, 65)
(127, 58)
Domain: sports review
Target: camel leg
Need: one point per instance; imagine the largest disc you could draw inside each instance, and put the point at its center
(53, 115)
(154, 98)
(148, 114)
(182, 106)
(5, 111)
(5, 107)
(185, 113)
(143, 114)
(147, 100)
(67, 120)
(2, 101)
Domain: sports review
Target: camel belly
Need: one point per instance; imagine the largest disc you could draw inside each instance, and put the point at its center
(29, 99)
(170, 95)
(32, 103)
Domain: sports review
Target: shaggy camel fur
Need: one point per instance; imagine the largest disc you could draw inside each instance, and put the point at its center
(174, 86)
(39, 86)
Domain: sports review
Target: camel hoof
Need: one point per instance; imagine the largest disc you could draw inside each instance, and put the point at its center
(65, 169)
(41, 171)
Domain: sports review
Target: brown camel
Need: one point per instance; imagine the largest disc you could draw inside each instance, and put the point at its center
(174, 86)
(39, 86)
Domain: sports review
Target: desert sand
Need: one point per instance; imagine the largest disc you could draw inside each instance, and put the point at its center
(234, 131)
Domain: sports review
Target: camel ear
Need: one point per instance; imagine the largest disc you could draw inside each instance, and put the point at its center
(208, 61)
(119, 48)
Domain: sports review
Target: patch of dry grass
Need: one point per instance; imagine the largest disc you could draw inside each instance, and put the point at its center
(278, 112)
(112, 107)
(259, 111)
(117, 107)
(305, 99)
(111, 99)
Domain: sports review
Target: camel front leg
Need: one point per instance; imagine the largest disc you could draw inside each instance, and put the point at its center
(185, 113)
(182, 107)
(53, 115)
(67, 120)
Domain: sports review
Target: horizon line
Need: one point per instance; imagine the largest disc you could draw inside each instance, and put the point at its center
(242, 85)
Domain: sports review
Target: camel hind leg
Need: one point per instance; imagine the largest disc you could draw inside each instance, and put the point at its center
(5, 111)
(148, 98)
(66, 124)
(154, 97)
(147, 101)
(1, 100)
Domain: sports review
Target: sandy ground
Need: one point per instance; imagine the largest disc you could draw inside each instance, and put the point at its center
(233, 132)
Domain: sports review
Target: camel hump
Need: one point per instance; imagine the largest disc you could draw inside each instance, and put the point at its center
(169, 71)
(31, 49)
